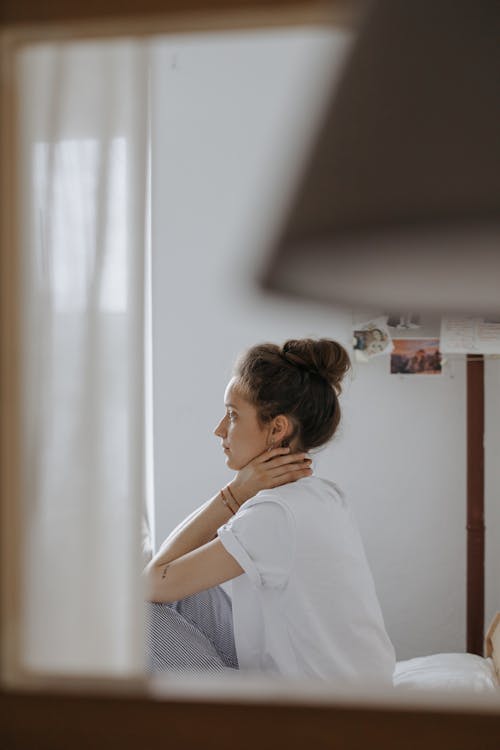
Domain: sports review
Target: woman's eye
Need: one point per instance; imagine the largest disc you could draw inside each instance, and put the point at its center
(232, 416)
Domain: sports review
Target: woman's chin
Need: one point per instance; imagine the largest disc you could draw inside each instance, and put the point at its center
(231, 464)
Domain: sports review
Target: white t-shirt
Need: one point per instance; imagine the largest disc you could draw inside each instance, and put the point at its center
(306, 604)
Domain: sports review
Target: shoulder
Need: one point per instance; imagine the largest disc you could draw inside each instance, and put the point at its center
(307, 485)
(332, 489)
(267, 502)
(262, 523)
(278, 497)
(310, 488)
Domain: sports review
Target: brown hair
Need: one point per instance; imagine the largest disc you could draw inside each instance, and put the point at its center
(301, 379)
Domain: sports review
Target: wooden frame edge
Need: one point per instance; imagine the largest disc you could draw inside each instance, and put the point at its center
(10, 337)
(47, 721)
(193, 18)
(22, 12)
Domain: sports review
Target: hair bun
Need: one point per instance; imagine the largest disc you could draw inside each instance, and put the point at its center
(323, 357)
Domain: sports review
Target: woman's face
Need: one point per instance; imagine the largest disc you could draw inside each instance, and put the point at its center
(243, 437)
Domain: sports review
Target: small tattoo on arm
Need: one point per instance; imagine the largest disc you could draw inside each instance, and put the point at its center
(165, 571)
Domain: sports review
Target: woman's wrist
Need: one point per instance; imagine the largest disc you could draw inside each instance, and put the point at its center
(233, 500)
(237, 493)
(228, 500)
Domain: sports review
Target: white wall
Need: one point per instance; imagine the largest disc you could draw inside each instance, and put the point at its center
(229, 116)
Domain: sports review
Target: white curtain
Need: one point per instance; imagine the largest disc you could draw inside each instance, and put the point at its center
(83, 148)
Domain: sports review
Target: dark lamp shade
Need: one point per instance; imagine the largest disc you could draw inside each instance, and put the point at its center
(399, 201)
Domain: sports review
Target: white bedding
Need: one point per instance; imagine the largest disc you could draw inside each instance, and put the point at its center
(447, 672)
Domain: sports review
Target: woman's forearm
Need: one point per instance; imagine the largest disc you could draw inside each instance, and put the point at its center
(196, 530)
(180, 527)
(194, 535)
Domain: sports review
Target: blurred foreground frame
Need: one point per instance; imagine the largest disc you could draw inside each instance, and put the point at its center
(45, 714)
(398, 206)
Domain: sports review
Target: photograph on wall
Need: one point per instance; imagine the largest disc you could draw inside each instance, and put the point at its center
(416, 357)
(371, 339)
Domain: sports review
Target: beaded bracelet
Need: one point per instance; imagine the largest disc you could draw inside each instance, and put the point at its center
(228, 488)
(226, 502)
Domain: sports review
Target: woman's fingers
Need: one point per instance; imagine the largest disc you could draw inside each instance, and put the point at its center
(270, 469)
(285, 460)
(288, 473)
(278, 471)
(291, 476)
(270, 473)
(269, 454)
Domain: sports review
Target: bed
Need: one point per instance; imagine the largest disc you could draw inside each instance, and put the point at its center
(454, 671)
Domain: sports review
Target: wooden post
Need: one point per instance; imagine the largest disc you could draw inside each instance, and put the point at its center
(475, 503)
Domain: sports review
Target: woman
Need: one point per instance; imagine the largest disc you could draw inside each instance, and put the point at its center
(303, 599)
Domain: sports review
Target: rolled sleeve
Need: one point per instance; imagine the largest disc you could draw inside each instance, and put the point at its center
(236, 549)
(261, 538)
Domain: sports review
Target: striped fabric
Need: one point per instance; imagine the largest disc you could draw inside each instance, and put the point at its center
(195, 633)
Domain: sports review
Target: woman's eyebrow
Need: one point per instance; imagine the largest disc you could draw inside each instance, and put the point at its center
(231, 405)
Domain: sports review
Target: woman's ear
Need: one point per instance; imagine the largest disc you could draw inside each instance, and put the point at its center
(281, 429)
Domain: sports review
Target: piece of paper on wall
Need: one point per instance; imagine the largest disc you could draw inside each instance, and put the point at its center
(372, 339)
(416, 357)
(468, 335)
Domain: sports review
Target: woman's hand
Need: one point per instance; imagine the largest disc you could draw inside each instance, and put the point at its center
(270, 469)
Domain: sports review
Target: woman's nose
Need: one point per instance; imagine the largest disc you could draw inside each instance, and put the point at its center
(219, 430)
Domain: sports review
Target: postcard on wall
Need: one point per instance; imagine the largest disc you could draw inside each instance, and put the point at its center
(371, 339)
(416, 357)
(468, 335)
